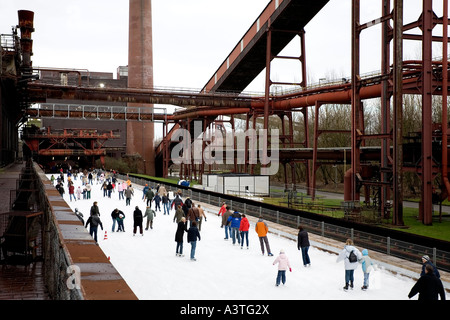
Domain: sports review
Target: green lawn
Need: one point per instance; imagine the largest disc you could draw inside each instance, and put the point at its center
(438, 230)
(331, 207)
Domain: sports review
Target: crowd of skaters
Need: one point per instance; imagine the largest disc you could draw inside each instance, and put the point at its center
(189, 216)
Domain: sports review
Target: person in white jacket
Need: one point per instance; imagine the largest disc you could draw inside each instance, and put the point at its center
(283, 265)
(350, 264)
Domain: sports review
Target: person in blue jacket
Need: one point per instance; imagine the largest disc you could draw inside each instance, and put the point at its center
(235, 222)
(367, 267)
(427, 261)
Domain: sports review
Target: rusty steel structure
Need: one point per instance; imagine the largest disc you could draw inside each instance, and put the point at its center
(81, 143)
(279, 23)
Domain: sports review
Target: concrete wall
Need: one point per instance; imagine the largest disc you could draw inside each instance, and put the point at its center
(75, 266)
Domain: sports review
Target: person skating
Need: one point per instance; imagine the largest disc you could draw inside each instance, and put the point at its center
(283, 265)
(350, 262)
(93, 222)
(120, 218)
(149, 213)
(88, 191)
(193, 214)
(243, 229)
(179, 214)
(202, 215)
(144, 191)
(137, 218)
(166, 203)
(225, 223)
(149, 196)
(193, 235)
(179, 235)
(72, 192)
(235, 221)
(429, 287)
(120, 190)
(222, 209)
(427, 261)
(367, 267)
(157, 200)
(303, 245)
(177, 201)
(128, 194)
(262, 229)
(95, 209)
(114, 215)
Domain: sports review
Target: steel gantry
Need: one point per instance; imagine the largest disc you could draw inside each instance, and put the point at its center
(279, 23)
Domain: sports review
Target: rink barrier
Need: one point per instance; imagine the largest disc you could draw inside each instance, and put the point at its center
(75, 267)
(391, 242)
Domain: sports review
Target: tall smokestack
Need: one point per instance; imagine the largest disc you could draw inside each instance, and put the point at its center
(140, 135)
(26, 29)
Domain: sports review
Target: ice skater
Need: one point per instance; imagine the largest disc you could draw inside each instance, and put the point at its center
(120, 226)
(283, 264)
(351, 256)
(243, 228)
(429, 287)
(427, 261)
(149, 213)
(262, 229)
(93, 222)
(193, 235)
(137, 218)
(367, 267)
(235, 222)
(179, 234)
(303, 245)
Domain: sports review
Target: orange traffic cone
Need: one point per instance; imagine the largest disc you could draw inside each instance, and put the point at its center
(106, 236)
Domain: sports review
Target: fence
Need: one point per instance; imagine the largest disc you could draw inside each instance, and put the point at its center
(384, 244)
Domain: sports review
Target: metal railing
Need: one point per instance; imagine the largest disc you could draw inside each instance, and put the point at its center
(387, 245)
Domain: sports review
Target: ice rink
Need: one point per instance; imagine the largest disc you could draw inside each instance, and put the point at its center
(222, 271)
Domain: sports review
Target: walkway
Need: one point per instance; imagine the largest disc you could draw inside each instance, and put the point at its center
(18, 282)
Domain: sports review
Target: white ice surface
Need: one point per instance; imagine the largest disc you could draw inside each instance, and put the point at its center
(223, 271)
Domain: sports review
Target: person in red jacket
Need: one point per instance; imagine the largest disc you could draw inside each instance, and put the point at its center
(243, 228)
(72, 192)
(223, 209)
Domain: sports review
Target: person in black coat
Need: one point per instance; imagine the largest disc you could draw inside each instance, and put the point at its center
(303, 245)
(429, 287)
(179, 234)
(137, 218)
(193, 235)
(94, 221)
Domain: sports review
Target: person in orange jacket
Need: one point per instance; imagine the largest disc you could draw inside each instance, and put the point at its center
(261, 229)
(243, 228)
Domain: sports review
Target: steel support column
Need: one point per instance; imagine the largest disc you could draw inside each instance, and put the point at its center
(315, 146)
(385, 109)
(426, 206)
(355, 100)
(444, 120)
(306, 144)
(398, 114)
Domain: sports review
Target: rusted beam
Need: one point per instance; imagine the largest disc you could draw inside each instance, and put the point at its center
(398, 114)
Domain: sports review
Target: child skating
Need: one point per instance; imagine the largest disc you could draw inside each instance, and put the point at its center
(283, 265)
(367, 267)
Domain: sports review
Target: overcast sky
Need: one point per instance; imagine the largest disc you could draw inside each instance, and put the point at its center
(191, 38)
